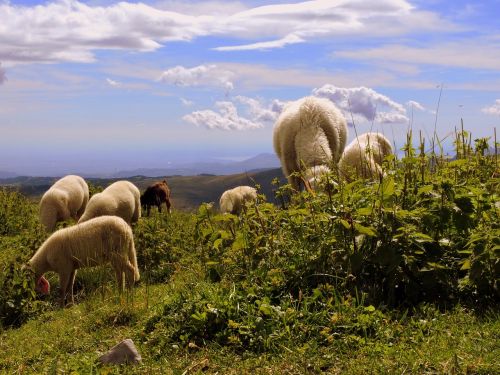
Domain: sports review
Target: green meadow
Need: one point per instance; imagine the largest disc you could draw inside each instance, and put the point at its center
(398, 275)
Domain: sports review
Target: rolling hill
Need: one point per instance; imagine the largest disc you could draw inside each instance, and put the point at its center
(188, 192)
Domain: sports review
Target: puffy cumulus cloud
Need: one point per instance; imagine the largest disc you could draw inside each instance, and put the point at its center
(201, 75)
(3, 75)
(259, 112)
(70, 30)
(254, 114)
(492, 109)
(227, 118)
(364, 102)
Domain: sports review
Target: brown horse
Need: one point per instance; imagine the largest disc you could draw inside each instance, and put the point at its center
(155, 195)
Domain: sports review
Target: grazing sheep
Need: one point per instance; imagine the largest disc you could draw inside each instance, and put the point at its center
(364, 156)
(105, 239)
(310, 132)
(234, 200)
(121, 198)
(155, 195)
(67, 198)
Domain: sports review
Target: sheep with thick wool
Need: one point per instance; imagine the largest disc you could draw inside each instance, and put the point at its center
(233, 200)
(67, 198)
(121, 198)
(105, 239)
(363, 157)
(310, 133)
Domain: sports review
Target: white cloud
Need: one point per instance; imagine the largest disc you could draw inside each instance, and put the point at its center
(3, 76)
(259, 112)
(69, 30)
(226, 118)
(280, 43)
(415, 105)
(255, 114)
(186, 102)
(201, 75)
(113, 83)
(365, 103)
(203, 7)
(493, 109)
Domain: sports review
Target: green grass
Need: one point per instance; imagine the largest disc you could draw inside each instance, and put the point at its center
(456, 341)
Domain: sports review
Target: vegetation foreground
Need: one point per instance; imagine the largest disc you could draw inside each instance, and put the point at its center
(394, 276)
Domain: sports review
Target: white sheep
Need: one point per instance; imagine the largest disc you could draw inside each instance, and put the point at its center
(66, 198)
(233, 200)
(121, 198)
(105, 239)
(363, 157)
(310, 132)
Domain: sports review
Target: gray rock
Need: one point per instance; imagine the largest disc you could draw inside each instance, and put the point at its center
(124, 352)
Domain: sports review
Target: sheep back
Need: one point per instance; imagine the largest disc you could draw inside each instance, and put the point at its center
(66, 198)
(364, 156)
(121, 198)
(233, 200)
(309, 132)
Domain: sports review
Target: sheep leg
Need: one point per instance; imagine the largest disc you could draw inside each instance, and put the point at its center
(64, 282)
(119, 278)
(129, 275)
(159, 207)
(71, 283)
(169, 205)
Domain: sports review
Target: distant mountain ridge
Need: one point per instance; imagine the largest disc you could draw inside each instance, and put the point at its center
(256, 163)
(5, 174)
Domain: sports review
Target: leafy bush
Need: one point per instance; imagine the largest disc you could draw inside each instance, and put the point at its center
(244, 320)
(20, 234)
(313, 269)
(17, 295)
(17, 213)
(160, 240)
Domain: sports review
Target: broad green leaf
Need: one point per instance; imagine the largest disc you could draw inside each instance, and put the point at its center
(388, 187)
(345, 223)
(436, 266)
(365, 211)
(369, 231)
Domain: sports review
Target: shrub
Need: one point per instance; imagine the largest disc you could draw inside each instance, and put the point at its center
(17, 295)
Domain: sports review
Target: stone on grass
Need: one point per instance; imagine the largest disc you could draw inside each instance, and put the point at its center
(124, 352)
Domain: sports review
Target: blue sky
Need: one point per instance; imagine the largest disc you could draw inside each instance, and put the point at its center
(101, 86)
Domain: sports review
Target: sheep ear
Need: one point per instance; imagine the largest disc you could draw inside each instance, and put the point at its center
(43, 285)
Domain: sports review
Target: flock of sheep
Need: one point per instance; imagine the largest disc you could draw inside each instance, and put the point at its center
(309, 138)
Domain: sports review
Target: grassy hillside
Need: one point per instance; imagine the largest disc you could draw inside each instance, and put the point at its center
(188, 192)
(398, 275)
